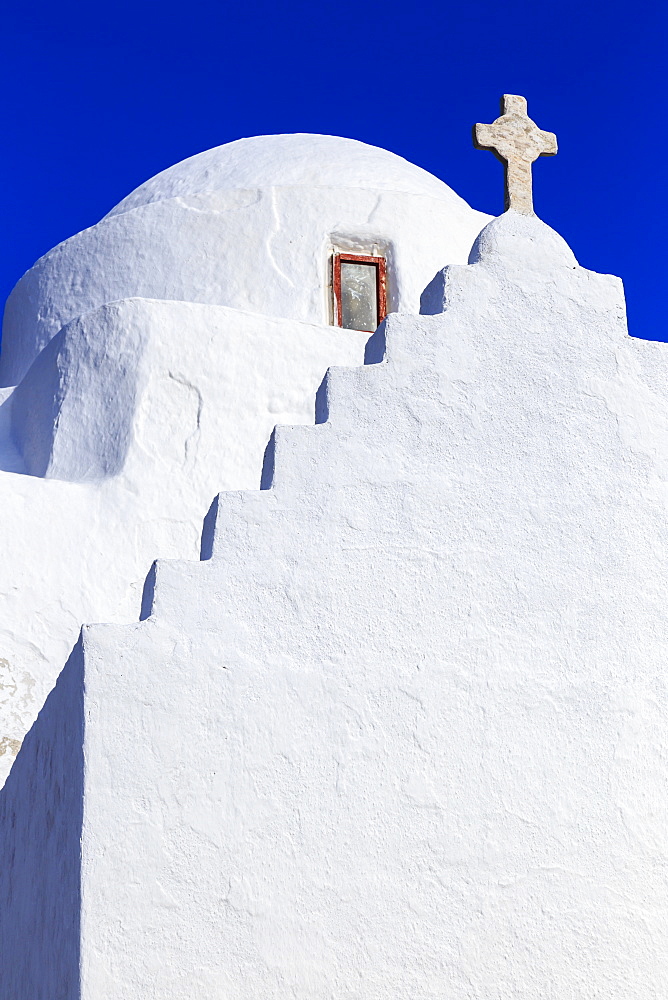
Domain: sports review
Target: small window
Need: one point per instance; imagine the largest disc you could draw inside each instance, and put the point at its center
(359, 291)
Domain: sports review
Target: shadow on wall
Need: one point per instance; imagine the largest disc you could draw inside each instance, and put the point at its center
(11, 459)
(41, 812)
(374, 353)
(268, 463)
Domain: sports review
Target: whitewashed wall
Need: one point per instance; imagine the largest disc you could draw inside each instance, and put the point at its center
(404, 733)
(248, 225)
(143, 410)
(141, 396)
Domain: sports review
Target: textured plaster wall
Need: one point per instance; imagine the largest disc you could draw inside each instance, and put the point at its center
(140, 395)
(404, 733)
(248, 225)
(136, 414)
(40, 850)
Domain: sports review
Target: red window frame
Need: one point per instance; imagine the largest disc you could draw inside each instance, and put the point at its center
(381, 283)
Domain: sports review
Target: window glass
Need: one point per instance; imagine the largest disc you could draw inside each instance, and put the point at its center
(359, 296)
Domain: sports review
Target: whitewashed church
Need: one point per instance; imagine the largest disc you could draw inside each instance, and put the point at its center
(368, 493)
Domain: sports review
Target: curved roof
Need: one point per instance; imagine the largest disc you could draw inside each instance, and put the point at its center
(248, 225)
(300, 160)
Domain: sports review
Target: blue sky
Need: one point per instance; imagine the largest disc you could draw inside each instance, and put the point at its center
(99, 97)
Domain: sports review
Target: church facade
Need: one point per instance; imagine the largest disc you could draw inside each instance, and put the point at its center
(385, 719)
(147, 360)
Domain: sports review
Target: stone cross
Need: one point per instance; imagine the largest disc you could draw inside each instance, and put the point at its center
(517, 142)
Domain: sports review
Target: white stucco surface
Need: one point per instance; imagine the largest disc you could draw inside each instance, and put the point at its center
(129, 423)
(299, 160)
(250, 225)
(155, 352)
(404, 733)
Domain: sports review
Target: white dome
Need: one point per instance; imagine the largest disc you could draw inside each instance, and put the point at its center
(300, 160)
(251, 225)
